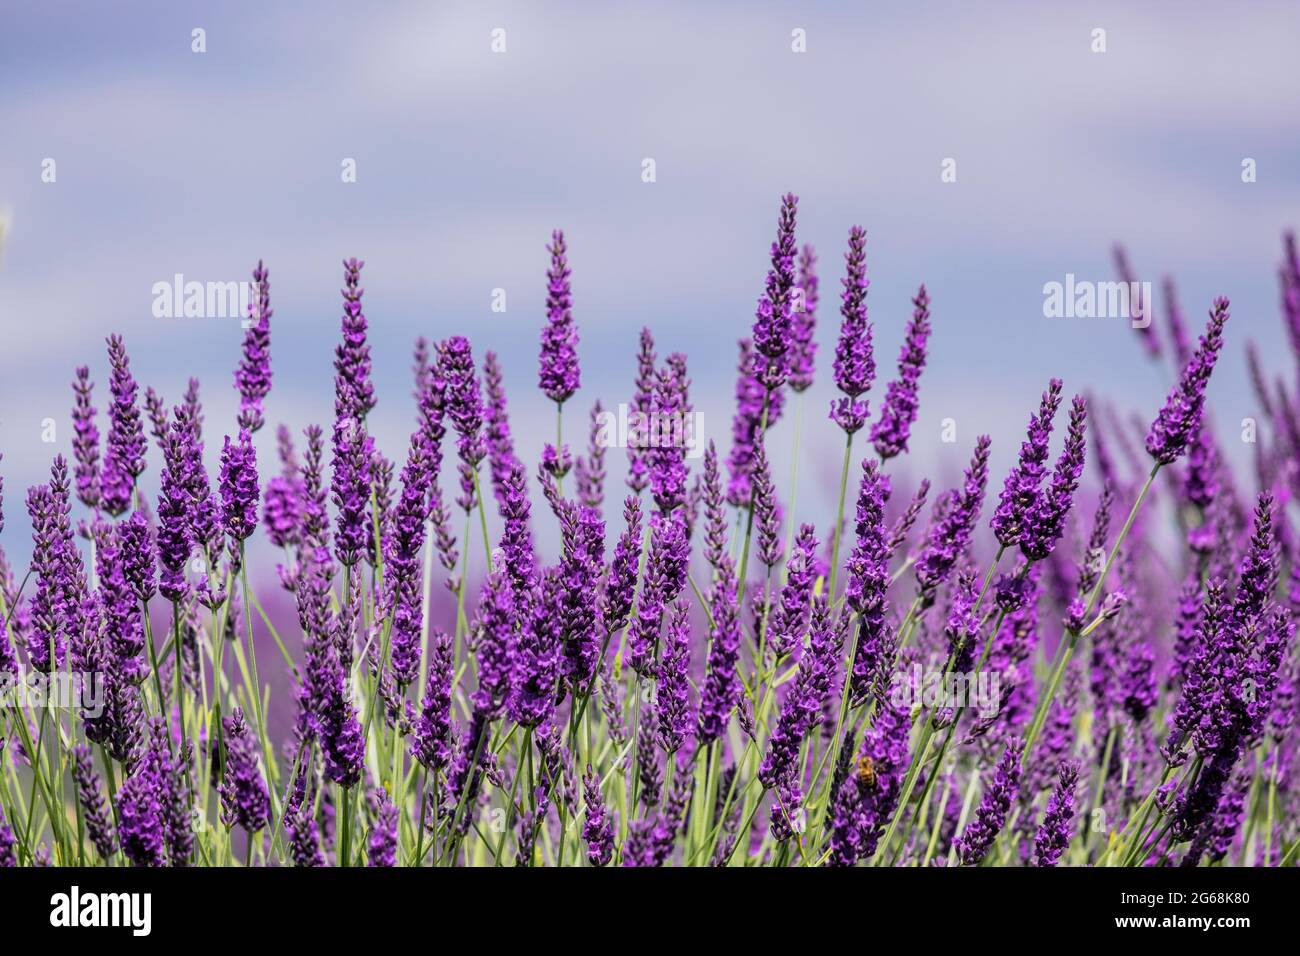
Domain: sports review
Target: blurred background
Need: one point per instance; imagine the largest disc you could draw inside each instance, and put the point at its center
(171, 161)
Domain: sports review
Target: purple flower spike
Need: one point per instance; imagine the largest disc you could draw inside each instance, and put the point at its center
(855, 364)
(433, 738)
(125, 447)
(1045, 524)
(890, 434)
(519, 560)
(402, 548)
(1180, 418)
(673, 698)
(175, 539)
(801, 709)
(590, 471)
(722, 685)
(244, 799)
(157, 411)
(753, 402)
(866, 798)
(789, 620)
(536, 669)
(803, 348)
(980, 833)
(668, 417)
(94, 808)
(665, 575)
(956, 516)
(137, 555)
(583, 538)
(496, 625)
(253, 377)
(352, 462)
(597, 828)
(85, 441)
(639, 415)
(620, 585)
(558, 374)
(239, 488)
(464, 405)
(282, 512)
(868, 574)
(1020, 491)
(772, 324)
(767, 517)
(48, 645)
(715, 518)
(141, 828)
(8, 858)
(354, 393)
(383, 833)
(1058, 821)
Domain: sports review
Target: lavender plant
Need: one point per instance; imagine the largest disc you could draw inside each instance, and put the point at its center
(680, 683)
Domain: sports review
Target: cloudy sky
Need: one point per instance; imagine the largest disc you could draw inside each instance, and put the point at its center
(170, 161)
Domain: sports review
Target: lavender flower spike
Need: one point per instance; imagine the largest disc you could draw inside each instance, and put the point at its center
(8, 858)
(244, 800)
(126, 444)
(1021, 489)
(980, 833)
(597, 828)
(253, 377)
(891, 432)
(174, 538)
(673, 700)
(558, 374)
(772, 325)
(1046, 523)
(464, 406)
(140, 825)
(855, 363)
(1180, 418)
(85, 441)
(803, 348)
(789, 620)
(239, 488)
(404, 540)
(868, 574)
(354, 394)
(94, 809)
(1057, 827)
(639, 411)
(722, 685)
(433, 737)
(383, 833)
(950, 534)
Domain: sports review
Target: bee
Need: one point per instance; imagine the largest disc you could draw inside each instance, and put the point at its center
(867, 771)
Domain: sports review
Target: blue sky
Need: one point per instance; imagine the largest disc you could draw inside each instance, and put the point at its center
(170, 161)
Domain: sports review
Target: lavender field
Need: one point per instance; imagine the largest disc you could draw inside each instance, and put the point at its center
(487, 660)
(528, 434)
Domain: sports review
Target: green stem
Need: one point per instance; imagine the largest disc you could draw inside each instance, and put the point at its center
(1044, 705)
(839, 517)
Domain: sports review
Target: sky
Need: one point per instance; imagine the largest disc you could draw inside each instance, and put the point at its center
(169, 161)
